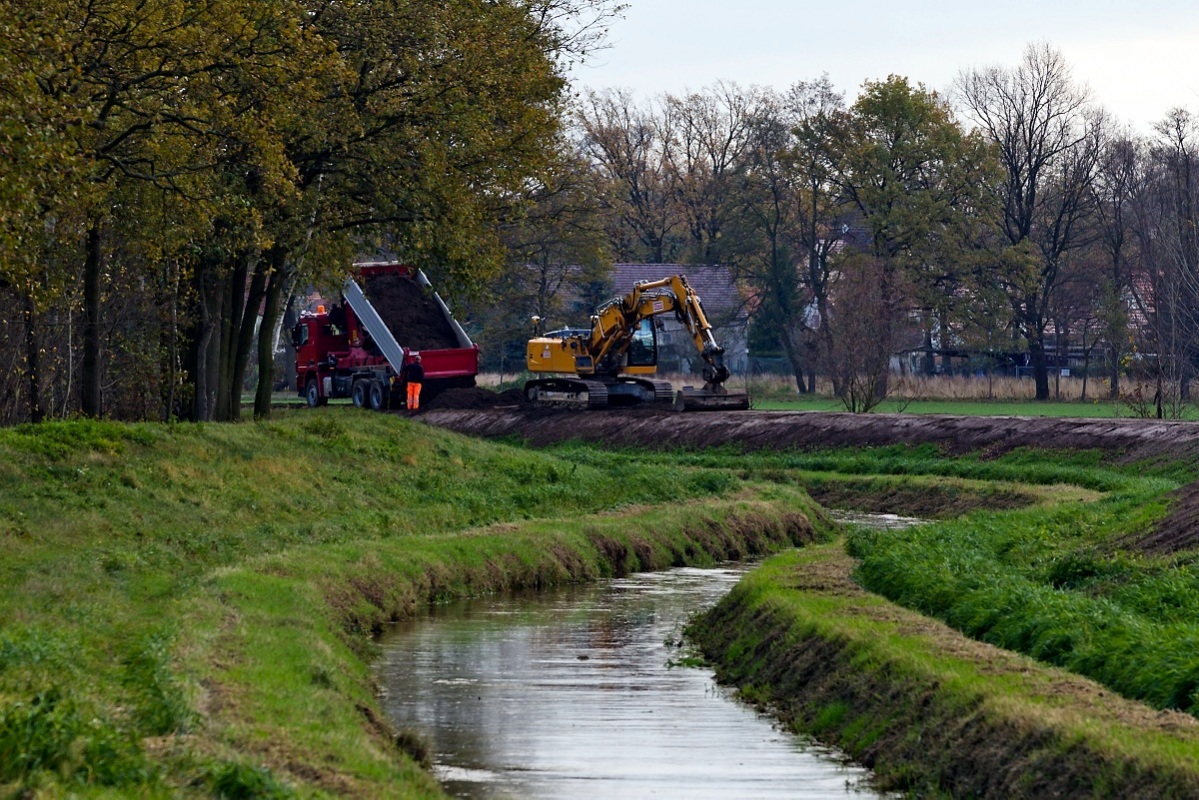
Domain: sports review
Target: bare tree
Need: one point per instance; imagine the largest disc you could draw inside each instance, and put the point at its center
(711, 132)
(629, 145)
(1119, 182)
(1169, 240)
(787, 222)
(1042, 124)
(865, 331)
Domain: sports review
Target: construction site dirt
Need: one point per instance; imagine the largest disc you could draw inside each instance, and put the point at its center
(1120, 440)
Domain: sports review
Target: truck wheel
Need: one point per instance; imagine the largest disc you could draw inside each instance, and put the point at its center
(378, 396)
(312, 393)
(359, 394)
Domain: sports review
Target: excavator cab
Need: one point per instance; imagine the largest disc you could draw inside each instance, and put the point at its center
(643, 347)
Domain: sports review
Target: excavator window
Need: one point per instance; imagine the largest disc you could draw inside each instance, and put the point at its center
(643, 350)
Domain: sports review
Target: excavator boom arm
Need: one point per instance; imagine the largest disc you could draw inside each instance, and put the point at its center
(599, 361)
(614, 323)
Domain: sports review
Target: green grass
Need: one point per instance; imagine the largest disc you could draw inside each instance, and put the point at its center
(186, 609)
(182, 604)
(1048, 583)
(1051, 580)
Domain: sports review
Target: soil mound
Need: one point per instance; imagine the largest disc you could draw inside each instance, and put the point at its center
(413, 316)
(1120, 440)
(1179, 530)
(476, 398)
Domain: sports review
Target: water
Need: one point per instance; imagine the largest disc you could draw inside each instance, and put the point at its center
(569, 694)
(870, 519)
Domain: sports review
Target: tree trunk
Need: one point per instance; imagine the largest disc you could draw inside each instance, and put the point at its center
(266, 333)
(171, 344)
(233, 308)
(33, 361)
(291, 316)
(1040, 368)
(794, 358)
(1115, 370)
(930, 358)
(246, 314)
(205, 341)
(91, 399)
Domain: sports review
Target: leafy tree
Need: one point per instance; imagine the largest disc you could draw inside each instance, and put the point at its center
(918, 182)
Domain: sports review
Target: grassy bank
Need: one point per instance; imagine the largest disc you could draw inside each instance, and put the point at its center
(933, 712)
(186, 609)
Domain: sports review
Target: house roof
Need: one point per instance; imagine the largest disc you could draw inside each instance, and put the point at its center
(714, 284)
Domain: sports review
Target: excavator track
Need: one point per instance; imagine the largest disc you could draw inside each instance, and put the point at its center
(597, 394)
(663, 392)
(567, 393)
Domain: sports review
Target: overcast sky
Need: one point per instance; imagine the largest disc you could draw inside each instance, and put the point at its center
(1139, 58)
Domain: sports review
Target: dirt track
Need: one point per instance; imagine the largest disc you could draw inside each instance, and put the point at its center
(1121, 440)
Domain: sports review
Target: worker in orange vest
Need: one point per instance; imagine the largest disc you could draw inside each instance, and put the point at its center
(414, 374)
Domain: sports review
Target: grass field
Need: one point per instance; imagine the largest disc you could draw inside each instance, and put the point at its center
(185, 610)
(990, 408)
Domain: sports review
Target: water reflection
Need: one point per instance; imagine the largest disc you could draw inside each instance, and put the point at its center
(569, 694)
(871, 519)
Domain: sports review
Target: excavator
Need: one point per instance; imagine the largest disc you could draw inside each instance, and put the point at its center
(613, 363)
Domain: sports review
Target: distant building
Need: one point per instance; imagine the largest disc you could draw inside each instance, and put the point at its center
(724, 305)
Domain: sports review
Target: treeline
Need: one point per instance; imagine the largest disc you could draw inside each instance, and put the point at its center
(176, 174)
(1013, 216)
(173, 171)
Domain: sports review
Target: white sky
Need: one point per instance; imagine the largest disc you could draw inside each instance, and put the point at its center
(1140, 57)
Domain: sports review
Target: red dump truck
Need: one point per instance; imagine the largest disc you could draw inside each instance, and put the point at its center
(358, 348)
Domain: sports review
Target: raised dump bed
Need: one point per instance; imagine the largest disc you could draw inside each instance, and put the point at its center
(359, 347)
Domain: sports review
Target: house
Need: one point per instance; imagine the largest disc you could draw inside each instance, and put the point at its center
(723, 302)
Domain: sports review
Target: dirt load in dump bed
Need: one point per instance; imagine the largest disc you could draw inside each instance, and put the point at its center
(410, 312)
(1121, 440)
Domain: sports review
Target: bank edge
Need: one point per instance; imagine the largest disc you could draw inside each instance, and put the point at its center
(933, 713)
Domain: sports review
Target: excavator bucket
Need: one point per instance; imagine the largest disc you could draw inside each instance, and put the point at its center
(691, 399)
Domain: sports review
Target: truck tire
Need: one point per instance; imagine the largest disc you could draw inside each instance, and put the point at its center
(313, 395)
(360, 393)
(378, 396)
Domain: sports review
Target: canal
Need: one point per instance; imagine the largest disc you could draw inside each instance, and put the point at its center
(583, 692)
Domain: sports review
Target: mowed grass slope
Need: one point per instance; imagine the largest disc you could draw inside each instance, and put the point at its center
(185, 609)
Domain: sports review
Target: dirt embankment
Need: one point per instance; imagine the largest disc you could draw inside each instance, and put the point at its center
(1122, 440)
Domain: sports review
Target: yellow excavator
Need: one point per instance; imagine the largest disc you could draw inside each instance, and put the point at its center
(613, 363)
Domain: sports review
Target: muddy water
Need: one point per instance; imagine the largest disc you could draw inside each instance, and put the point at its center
(570, 694)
